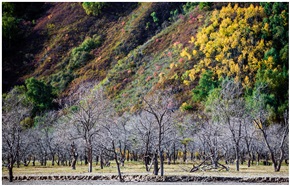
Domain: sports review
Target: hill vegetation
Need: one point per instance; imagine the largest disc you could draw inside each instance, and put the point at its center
(195, 72)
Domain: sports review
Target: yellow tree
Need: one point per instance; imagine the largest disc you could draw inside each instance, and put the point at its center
(231, 44)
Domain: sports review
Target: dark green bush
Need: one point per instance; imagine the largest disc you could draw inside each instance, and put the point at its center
(205, 85)
(40, 94)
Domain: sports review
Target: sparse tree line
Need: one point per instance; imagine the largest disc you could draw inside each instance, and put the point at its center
(230, 129)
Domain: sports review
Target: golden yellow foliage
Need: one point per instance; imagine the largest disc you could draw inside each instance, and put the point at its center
(185, 53)
(186, 82)
(172, 65)
(192, 40)
(231, 44)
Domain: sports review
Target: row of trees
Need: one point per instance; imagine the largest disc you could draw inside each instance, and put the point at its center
(230, 128)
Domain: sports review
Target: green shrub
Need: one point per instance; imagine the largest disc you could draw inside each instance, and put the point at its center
(173, 15)
(204, 5)
(189, 6)
(94, 8)
(186, 107)
(78, 59)
(154, 16)
(205, 85)
(88, 45)
(10, 28)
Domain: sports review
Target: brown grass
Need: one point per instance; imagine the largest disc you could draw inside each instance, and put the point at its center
(139, 168)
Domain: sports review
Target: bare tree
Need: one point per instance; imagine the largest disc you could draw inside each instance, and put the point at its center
(74, 155)
(274, 135)
(123, 127)
(86, 115)
(44, 135)
(228, 107)
(15, 109)
(108, 137)
(249, 137)
(160, 105)
(63, 132)
(142, 130)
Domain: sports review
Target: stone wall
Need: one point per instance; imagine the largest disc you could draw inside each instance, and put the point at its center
(151, 178)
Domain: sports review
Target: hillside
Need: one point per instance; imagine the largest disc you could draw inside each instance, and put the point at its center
(133, 49)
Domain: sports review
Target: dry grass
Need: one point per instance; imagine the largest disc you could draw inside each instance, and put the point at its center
(139, 168)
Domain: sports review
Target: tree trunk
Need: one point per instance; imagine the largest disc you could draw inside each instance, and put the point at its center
(214, 162)
(33, 161)
(122, 158)
(184, 153)
(237, 158)
(258, 158)
(81, 159)
(57, 162)
(127, 156)
(250, 158)
(155, 161)
(117, 162)
(10, 170)
(136, 156)
(90, 159)
(161, 163)
(146, 161)
(174, 157)
(97, 159)
(86, 160)
(74, 160)
(73, 164)
(45, 161)
(52, 159)
(242, 157)
(18, 162)
(131, 156)
(168, 158)
(280, 160)
(249, 162)
(101, 161)
(191, 156)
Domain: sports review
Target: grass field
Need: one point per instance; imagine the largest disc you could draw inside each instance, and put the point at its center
(139, 168)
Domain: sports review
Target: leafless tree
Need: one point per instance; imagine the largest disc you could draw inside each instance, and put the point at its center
(228, 108)
(124, 130)
(63, 132)
(108, 137)
(160, 106)
(86, 116)
(274, 135)
(211, 138)
(14, 110)
(249, 138)
(45, 138)
(143, 135)
(185, 126)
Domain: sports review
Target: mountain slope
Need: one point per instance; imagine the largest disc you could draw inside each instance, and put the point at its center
(133, 49)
